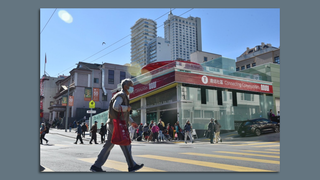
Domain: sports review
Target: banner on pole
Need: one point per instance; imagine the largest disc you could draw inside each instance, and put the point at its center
(87, 94)
(95, 94)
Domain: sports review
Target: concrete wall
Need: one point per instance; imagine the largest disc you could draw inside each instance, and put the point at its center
(198, 56)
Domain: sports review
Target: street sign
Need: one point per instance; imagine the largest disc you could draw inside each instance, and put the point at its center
(91, 111)
(92, 104)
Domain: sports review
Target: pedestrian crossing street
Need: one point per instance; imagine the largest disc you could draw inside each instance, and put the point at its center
(236, 160)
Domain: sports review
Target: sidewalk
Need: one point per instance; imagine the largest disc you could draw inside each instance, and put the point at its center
(73, 134)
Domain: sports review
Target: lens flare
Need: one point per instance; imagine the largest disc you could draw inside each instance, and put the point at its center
(145, 78)
(134, 69)
(65, 16)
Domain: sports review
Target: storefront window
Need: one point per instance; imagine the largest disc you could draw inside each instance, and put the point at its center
(248, 106)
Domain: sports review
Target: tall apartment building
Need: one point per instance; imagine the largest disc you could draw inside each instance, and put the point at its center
(184, 35)
(158, 50)
(142, 32)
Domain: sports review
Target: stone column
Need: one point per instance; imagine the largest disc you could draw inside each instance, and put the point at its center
(143, 103)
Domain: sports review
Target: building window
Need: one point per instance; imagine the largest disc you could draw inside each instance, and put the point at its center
(248, 66)
(242, 68)
(205, 59)
(277, 60)
(122, 75)
(96, 80)
(237, 69)
(104, 97)
(253, 64)
(111, 77)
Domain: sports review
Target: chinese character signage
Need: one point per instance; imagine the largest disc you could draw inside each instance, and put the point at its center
(65, 102)
(70, 100)
(222, 82)
(95, 94)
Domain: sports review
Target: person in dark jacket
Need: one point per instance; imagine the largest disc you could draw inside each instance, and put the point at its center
(140, 129)
(146, 131)
(188, 132)
(84, 129)
(103, 131)
(79, 132)
(43, 133)
(93, 131)
(211, 130)
(161, 129)
(217, 127)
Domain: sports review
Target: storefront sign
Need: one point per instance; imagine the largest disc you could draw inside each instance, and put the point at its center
(222, 82)
(154, 84)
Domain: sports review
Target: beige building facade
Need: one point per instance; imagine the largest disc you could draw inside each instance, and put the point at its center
(201, 56)
(258, 55)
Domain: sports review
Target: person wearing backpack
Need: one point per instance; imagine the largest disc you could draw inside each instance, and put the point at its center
(79, 132)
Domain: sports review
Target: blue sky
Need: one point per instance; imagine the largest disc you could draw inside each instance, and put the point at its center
(227, 32)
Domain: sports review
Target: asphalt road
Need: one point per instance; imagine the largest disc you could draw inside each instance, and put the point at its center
(234, 154)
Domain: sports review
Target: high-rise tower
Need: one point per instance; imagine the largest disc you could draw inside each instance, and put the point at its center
(184, 35)
(142, 32)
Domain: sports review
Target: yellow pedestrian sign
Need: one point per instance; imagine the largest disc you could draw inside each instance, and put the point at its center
(92, 104)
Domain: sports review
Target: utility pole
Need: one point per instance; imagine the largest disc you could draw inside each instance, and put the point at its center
(66, 124)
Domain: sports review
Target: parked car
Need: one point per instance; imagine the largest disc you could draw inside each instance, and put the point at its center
(258, 126)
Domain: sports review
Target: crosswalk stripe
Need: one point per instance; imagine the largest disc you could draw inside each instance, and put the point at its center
(253, 144)
(248, 154)
(274, 150)
(62, 145)
(266, 152)
(206, 164)
(235, 158)
(120, 166)
(268, 146)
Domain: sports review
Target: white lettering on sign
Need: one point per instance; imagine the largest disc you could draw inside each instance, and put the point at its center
(95, 93)
(204, 79)
(264, 87)
(152, 85)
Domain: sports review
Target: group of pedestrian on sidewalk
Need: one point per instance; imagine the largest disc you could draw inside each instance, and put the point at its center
(93, 131)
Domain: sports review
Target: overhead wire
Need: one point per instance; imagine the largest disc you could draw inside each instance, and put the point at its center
(121, 40)
(48, 20)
